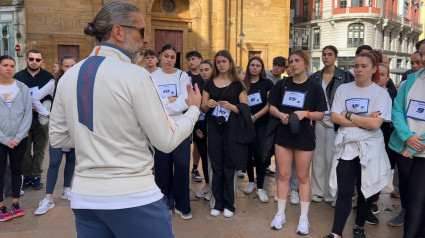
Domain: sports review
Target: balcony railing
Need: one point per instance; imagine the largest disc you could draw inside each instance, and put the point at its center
(416, 25)
(306, 18)
(393, 16)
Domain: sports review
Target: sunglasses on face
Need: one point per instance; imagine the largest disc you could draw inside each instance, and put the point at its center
(141, 30)
(36, 59)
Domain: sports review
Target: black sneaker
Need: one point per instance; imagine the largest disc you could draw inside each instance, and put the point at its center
(196, 176)
(36, 183)
(28, 181)
(375, 208)
(371, 219)
(359, 232)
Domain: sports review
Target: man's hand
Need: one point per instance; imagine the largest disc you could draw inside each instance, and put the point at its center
(194, 98)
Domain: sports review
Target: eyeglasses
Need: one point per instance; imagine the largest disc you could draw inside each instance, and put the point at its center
(141, 30)
(36, 59)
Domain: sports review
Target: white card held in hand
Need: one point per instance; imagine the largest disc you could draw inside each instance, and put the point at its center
(254, 99)
(219, 111)
(168, 90)
(357, 105)
(416, 110)
(294, 99)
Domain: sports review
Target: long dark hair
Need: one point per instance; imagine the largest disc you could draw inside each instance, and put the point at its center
(248, 75)
(232, 69)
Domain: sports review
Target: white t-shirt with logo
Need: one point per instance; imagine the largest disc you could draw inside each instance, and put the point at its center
(9, 92)
(362, 101)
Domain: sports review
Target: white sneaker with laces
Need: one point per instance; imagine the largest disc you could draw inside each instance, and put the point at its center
(66, 194)
(44, 205)
(227, 213)
(249, 188)
(262, 195)
(303, 226)
(295, 198)
(186, 216)
(278, 221)
(214, 212)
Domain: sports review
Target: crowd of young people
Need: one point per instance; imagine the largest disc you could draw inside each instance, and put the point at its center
(341, 126)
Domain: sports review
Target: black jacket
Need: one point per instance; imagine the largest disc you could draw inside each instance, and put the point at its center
(340, 77)
(241, 133)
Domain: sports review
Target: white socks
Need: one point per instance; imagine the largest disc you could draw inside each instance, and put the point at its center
(304, 209)
(281, 205)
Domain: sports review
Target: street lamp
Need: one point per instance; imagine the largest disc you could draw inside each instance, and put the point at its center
(241, 38)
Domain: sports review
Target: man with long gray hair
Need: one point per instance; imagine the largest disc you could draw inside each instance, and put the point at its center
(106, 108)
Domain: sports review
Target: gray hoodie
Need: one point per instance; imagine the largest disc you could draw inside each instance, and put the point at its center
(15, 121)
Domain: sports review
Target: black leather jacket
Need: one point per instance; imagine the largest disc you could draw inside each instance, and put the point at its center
(340, 77)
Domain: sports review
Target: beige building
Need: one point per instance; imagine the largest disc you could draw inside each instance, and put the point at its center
(56, 27)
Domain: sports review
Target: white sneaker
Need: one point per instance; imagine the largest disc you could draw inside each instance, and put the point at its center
(66, 194)
(249, 188)
(303, 226)
(316, 198)
(186, 216)
(241, 174)
(44, 205)
(203, 192)
(214, 212)
(262, 195)
(278, 221)
(227, 213)
(295, 198)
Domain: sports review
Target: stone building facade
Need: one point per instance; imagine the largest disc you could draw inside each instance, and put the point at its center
(56, 27)
(391, 26)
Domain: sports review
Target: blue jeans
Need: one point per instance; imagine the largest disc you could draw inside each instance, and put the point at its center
(55, 162)
(151, 220)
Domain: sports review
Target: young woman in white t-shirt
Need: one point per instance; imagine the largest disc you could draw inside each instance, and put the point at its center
(359, 107)
(172, 169)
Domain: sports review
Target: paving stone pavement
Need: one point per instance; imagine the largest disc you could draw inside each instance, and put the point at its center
(251, 220)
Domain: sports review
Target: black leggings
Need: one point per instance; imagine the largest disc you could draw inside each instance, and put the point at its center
(254, 155)
(16, 156)
(412, 194)
(347, 172)
(203, 152)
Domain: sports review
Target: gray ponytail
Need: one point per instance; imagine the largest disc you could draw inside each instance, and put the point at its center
(110, 14)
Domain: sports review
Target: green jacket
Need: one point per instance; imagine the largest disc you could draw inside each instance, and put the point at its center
(401, 129)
